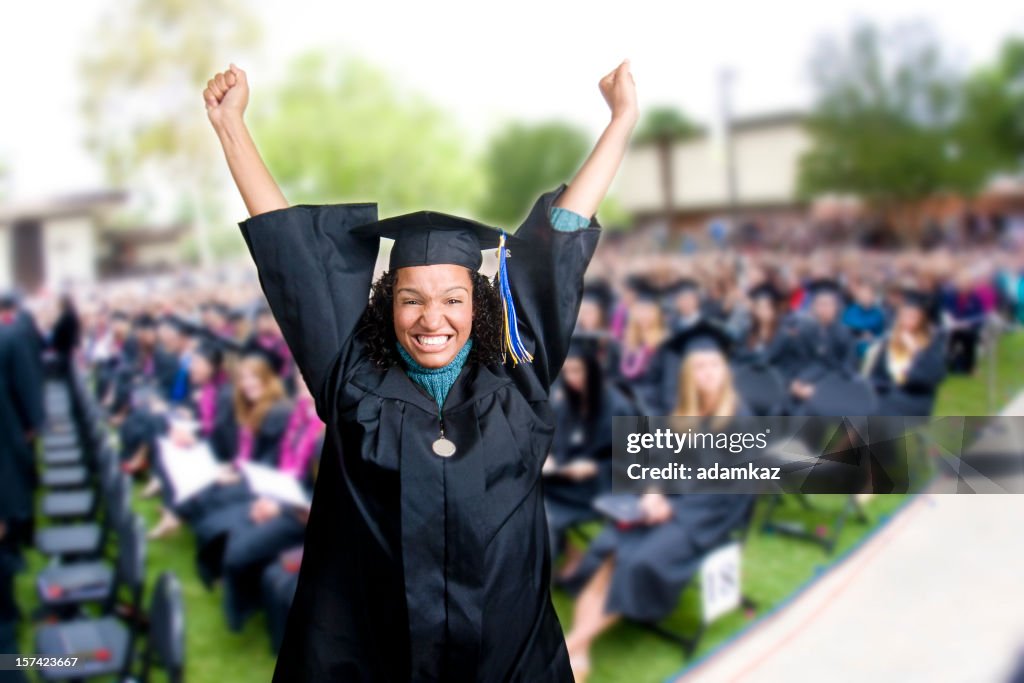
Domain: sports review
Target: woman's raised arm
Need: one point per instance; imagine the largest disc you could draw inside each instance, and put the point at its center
(591, 182)
(226, 96)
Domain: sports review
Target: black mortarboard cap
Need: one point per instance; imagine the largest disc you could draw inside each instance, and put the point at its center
(182, 325)
(704, 335)
(145, 321)
(685, 284)
(644, 289)
(922, 300)
(599, 291)
(586, 344)
(765, 290)
(212, 350)
(426, 238)
(8, 299)
(274, 359)
(824, 286)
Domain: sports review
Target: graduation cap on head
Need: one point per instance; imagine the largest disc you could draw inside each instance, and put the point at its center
(645, 290)
(586, 344)
(145, 321)
(765, 290)
(825, 286)
(600, 292)
(180, 324)
(704, 335)
(427, 238)
(212, 350)
(921, 300)
(8, 298)
(685, 284)
(271, 357)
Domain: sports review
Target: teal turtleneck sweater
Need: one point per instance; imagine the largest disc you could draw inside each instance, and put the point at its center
(437, 381)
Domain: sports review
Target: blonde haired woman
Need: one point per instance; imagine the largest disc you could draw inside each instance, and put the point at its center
(639, 572)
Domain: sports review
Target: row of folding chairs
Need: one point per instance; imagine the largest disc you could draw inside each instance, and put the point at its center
(91, 589)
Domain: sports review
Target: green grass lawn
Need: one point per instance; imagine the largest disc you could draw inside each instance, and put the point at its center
(774, 568)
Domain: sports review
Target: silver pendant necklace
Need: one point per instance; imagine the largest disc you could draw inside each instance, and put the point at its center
(443, 446)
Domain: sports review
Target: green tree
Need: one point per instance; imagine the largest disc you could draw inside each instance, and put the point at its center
(339, 129)
(992, 127)
(663, 127)
(885, 120)
(521, 161)
(143, 73)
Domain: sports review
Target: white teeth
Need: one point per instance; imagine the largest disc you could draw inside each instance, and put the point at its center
(432, 341)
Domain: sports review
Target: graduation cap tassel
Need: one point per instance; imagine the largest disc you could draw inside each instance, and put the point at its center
(513, 342)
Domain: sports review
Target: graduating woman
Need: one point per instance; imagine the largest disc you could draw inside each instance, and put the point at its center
(645, 332)
(426, 555)
(250, 429)
(579, 466)
(907, 366)
(272, 527)
(639, 572)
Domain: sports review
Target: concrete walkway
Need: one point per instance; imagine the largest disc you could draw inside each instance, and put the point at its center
(936, 595)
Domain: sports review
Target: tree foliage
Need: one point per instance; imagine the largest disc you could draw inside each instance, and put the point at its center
(887, 120)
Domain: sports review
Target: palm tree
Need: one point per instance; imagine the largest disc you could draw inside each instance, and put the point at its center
(663, 127)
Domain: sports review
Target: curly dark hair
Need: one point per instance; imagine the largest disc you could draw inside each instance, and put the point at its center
(377, 326)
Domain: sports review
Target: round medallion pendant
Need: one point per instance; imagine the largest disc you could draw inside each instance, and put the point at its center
(444, 447)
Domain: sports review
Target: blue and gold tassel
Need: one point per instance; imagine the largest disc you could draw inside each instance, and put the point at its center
(513, 342)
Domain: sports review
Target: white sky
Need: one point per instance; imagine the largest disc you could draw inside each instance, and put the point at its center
(482, 61)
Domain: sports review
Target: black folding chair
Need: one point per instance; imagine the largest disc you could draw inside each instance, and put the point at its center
(88, 539)
(689, 641)
(65, 588)
(81, 503)
(836, 395)
(165, 642)
(762, 388)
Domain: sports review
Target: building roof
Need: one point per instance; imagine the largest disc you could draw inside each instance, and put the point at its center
(73, 204)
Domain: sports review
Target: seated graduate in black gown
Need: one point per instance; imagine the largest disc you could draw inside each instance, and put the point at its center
(595, 308)
(270, 526)
(579, 466)
(907, 366)
(768, 340)
(684, 296)
(645, 332)
(824, 344)
(251, 431)
(639, 572)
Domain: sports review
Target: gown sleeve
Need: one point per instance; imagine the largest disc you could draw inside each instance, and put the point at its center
(316, 276)
(545, 272)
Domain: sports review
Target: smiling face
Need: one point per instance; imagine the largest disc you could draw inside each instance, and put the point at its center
(433, 312)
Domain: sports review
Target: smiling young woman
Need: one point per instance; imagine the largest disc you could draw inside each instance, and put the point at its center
(426, 555)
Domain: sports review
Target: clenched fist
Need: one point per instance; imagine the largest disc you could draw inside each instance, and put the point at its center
(619, 90)
(226, 95)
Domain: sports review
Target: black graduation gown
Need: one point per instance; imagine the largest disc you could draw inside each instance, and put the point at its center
(23, 411)
(419, 567)
(251, 547)
(570, 502)
(654, 563)
(916, 395)
(821, 349)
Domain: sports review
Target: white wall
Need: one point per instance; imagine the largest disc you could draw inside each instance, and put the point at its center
(766, 170)
(6, 269)
(69, 249)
